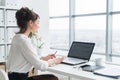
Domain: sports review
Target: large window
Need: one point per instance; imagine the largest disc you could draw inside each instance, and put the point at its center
(87, 20)
(59, 24)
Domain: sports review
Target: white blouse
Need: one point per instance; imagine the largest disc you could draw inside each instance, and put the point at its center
(22, 56)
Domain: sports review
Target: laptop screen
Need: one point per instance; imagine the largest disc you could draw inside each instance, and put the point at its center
(81, 50)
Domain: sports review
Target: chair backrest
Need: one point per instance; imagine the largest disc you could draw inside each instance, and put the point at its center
(3, 75)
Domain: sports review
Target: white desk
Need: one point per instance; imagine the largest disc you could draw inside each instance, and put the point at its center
(76, 73)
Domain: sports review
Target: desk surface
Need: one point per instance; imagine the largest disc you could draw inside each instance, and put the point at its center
(76, 73)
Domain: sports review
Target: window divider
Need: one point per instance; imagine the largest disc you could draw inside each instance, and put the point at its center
(71, 21)
(108, 31)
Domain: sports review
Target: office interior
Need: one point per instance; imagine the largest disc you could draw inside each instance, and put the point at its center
(65, 21)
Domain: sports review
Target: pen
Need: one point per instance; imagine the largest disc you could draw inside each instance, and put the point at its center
(55, 52)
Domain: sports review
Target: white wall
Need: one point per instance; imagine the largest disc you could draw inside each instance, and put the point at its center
(41, 7)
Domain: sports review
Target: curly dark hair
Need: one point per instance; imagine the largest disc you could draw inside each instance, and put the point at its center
(23, 16)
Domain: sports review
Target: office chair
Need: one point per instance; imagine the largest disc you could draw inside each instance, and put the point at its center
(3, 75)
(43, 77)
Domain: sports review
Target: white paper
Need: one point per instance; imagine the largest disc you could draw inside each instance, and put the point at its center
(2, 54)
(1, 18)
(11, 3)
(1, 35)
(8, 3)
(11, 20)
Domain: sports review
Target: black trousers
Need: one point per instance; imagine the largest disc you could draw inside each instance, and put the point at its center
(24, 76)
(17, 76)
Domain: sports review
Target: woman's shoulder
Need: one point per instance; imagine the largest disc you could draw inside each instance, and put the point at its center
(21, 38)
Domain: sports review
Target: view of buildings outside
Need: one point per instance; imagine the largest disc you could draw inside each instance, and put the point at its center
(90, 28)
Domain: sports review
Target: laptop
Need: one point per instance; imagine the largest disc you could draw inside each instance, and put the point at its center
(80, 52)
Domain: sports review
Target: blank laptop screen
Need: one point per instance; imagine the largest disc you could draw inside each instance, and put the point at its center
(81, 50)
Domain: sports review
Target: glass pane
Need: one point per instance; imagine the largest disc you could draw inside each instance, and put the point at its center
(59, 7)
(90, 6)
(116, 5)
(92, 29)
(116, 34)
(59, 33)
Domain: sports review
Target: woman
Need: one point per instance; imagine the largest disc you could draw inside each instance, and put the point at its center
(22, 55)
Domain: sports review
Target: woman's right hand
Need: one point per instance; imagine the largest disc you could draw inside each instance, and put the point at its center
(59, 59)
(54, 61)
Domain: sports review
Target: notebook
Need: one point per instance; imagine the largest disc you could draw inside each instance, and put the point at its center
(80, 52)
(109, 72)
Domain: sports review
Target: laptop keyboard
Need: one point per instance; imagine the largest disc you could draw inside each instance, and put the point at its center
(72, 59)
